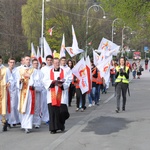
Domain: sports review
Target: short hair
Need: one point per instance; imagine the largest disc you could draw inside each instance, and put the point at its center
(49, 56)
(26, 56)
(11, 58)
(43, 63)
(62, 58)
(34, 60)
(92, 61)
(0, 57)
(55, 58)
(22, 57)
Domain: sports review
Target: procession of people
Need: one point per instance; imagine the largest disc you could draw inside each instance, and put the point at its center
(32, 94)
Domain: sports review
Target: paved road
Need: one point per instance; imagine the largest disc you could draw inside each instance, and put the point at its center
(98, 128)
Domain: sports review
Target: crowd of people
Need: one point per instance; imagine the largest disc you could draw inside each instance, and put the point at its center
(137, 68)
(31, 94)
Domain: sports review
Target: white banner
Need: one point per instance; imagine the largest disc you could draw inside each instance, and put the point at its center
(108, 47)
(80, 71)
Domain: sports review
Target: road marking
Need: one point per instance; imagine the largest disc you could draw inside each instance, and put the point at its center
(107, 100)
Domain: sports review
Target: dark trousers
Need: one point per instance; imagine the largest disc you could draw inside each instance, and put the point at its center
(54, 117)
(71, 93)
(121, 88)
(112, 76)
(80, 96)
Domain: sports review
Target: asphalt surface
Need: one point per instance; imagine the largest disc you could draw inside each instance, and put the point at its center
(97, 128)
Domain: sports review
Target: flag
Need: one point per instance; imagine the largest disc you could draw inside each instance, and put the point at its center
(106, 46)
(75, 42)
(96, 58)
(47, 49)
(62, 49)
(33, 53)
(104, 68)
(39, 58)
(80, 71)
(114, 51)
(89, 73)
(102, 57)
(50, 31)
(74, 50)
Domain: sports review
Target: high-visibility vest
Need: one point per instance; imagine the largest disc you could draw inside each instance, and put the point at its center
(93, 72)
(121, 78)
(99, 79)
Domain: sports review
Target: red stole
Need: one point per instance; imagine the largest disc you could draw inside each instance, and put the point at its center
(33, 100)
(8, 101)
(56, 97)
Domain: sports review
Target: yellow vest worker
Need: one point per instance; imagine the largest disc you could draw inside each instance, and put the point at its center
(122, 81)
(122, 77)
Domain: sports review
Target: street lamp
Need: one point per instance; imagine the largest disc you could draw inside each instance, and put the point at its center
(125, 27)
(113, 23)
(97, 7)
(42, 27)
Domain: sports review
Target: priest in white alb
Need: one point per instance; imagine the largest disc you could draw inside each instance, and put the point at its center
(57, 83)
(67, 70)
(5, 106)
(46, 71)
(39, 87)
(26, 104)
(13, 117)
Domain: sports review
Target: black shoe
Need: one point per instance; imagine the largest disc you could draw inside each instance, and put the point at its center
(5, 126)
(123, 108)
(84, 107)
(53, 132)
(9, 126)
(63, 129)
(97, 104)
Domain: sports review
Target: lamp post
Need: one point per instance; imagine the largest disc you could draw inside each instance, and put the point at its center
(97, 7)
(113, 23)
(42, 27)
(125, 27)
